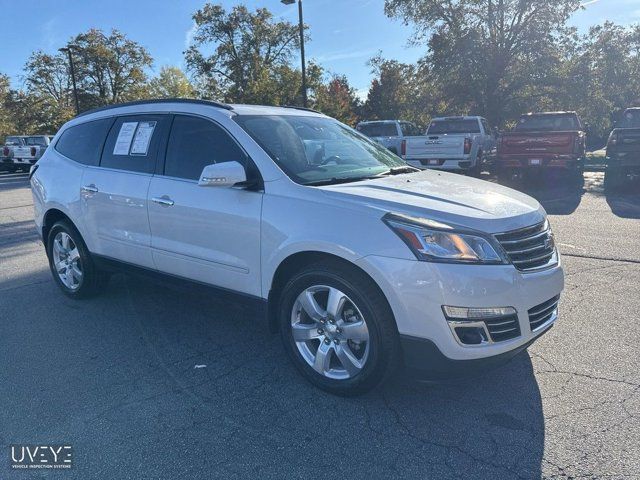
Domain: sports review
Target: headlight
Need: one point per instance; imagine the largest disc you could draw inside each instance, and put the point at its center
(436, 242)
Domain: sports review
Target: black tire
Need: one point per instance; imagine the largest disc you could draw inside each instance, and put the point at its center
(612, 180)
(384, 345)
(93, 279)
(476, 170)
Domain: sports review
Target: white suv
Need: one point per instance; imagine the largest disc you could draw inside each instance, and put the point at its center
(361, 262)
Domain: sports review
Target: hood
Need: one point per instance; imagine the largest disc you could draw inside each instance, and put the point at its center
(446, 197)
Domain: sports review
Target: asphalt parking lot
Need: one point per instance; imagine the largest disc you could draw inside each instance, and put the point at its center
(116, 376)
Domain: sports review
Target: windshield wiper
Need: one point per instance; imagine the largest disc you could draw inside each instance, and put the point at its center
(337, 180)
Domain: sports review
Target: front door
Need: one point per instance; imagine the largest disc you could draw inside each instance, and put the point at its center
(210, 234)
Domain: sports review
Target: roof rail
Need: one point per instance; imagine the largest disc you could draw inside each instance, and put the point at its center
(158, 100)
(302, 108)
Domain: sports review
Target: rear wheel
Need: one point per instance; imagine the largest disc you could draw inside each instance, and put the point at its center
(476, 170)
(71, 264)
(613, 179)
(338, 329)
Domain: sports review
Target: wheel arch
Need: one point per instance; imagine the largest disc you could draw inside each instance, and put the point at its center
(50, 218)
(296, 262)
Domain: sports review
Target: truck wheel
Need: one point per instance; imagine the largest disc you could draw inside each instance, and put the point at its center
(476, 170)
(71, 264)
(612, 180)
(338, 329)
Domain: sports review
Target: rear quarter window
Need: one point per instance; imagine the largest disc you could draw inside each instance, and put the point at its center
(133, 143)
(378, 129)
(83, 143)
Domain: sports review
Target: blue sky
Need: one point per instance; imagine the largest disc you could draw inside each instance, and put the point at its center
(344, 33)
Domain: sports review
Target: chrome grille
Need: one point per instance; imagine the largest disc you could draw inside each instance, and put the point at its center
(541, 314)
(503, 328)
(530, 248)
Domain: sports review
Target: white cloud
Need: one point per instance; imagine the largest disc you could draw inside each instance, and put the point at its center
(189, 34)
(50, 38)
(330, 57)
(589, 2)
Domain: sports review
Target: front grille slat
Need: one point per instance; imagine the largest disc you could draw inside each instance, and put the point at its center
(542, 313)
(529, 248)
(503, 328)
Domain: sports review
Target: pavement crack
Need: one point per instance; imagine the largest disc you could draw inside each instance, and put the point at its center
(597, 257)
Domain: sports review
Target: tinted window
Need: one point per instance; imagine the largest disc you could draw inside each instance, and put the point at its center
(195, 143)
(453, 126)
(487, 128)
(558, 122)
(630, 119)
(133, 143)
(409, 129)
(41, 141)
(83, 143)
(13, 141)
(378, 129)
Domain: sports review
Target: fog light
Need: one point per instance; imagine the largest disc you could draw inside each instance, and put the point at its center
(465, 313)
(471, 335)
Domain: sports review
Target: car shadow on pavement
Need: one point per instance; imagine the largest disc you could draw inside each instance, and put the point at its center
(624, 201)
(152, 371)
(558, 194)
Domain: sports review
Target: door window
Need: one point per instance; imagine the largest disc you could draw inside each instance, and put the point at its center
(194, 143)
(83, 143)
(133, 143)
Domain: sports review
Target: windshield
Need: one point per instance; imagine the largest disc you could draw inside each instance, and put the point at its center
(631, 119)
(548, 123)
(317, 150)
(13, 141)
(441, 127)
(378, 129)
(42, 141)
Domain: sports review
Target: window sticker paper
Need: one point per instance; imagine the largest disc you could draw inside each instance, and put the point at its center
(123, 142)
(142, 138)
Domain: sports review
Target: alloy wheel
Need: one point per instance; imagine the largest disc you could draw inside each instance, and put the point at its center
(330, 332)
(66, 261)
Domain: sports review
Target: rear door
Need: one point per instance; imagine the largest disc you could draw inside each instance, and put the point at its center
(114, 194)
(209, 234)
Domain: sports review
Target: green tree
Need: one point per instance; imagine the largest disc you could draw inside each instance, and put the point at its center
(485, 53)
(109, 68)
(400, 91)
(49, 86)
(338, 99)
(171, 82)
(7, 125)
(250, 54)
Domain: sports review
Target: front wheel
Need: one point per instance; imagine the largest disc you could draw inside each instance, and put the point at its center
(71, 264)
(338, 329)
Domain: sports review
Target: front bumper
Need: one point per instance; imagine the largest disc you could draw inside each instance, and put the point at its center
(424, 360)
(416, 292)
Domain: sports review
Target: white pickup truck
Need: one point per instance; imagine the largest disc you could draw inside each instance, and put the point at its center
(22, 151)
(391, 134)
(452, 143)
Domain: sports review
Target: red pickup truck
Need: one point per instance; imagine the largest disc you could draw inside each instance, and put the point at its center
(541, 142)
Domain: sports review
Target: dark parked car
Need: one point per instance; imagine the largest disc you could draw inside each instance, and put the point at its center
(623, 150)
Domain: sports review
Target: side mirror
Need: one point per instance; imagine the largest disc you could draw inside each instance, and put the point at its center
(226, 174)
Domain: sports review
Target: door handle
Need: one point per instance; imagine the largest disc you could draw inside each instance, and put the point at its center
(164, 200)
(89, 188)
